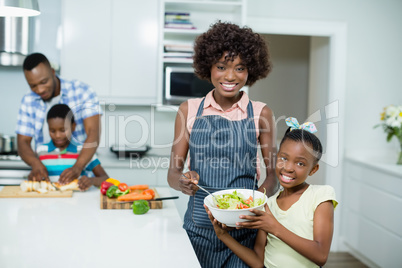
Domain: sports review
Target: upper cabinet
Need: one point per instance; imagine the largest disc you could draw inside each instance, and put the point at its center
(112, 46)
(181, 21)
(122, 47)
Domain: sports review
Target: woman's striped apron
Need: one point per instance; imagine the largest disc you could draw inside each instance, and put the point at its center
(223, 153)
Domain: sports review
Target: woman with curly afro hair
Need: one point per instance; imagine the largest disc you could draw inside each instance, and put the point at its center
(221, 132)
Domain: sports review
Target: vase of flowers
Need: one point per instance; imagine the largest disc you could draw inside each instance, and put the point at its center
(391, 122)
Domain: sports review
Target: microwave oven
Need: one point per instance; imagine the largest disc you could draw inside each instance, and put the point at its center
(182, 84)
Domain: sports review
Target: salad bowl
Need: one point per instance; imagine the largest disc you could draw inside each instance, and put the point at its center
(231, 216)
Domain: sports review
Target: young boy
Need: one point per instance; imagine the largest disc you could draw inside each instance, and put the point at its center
(60, 153)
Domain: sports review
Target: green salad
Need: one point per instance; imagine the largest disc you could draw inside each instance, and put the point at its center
(236, 200)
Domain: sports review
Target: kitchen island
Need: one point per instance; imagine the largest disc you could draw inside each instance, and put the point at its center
(75, 232)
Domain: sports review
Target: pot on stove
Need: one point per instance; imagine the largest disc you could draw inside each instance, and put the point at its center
(8, 144)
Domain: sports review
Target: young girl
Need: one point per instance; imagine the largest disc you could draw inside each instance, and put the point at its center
(297, 226)
(221, 133)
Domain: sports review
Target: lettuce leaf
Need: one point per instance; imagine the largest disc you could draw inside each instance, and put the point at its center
(237, 200)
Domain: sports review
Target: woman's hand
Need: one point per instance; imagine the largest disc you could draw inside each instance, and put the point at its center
(188, 185)
(84, 183)
(263, 220)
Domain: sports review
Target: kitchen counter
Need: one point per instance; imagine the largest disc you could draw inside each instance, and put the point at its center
(371, 199)
(383, 161)
(75, 232)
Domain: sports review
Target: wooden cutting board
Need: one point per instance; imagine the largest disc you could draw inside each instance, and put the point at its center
(15, 192)
(111, 203)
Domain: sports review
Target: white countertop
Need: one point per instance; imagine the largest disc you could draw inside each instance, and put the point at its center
(75, 232)
(384, 161)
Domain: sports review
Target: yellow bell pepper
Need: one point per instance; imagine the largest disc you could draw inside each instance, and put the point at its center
(114, 181)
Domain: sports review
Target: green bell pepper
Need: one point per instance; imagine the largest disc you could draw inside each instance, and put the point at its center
(114, 191)
(140, 207)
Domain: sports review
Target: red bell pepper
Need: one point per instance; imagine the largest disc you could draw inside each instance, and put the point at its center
(104, 186)
(150, 192)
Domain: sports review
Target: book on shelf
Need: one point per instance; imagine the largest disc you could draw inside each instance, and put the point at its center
(177, 55)
(179, 26)
(178, 20)
(170, 13)
(177, 17)
(179, 47)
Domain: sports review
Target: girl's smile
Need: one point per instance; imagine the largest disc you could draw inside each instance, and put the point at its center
(294, 164)
(286, 179)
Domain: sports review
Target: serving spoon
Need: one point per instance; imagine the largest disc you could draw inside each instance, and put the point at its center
(202, 188)
(255, 179)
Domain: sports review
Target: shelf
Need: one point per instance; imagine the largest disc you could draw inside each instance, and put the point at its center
(183, 31)
(203, 2)
(177, 60)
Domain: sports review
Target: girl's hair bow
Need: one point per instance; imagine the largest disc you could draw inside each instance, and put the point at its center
(294, 124)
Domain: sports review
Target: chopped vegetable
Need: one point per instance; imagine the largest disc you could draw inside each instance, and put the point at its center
(150, 192)
(138, 187)
(123, 187)
(114, 181)
(105, 186)
(140, 207)
(114, 191)
(236, 200)
(134, 196)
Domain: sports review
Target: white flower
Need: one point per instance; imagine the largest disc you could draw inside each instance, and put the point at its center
(391, 111)
(396, 123)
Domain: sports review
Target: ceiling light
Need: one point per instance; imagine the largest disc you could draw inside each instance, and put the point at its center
(19, 8)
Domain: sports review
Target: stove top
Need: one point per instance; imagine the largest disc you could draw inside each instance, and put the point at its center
(10, 157)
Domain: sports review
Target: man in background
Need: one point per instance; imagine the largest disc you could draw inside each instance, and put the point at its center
(47, 89)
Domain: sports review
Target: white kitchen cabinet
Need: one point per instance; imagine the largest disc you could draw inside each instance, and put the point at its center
(203, 13)
(371, 222)
(112, 46)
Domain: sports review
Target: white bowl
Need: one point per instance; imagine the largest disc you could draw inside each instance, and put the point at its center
(231, 216)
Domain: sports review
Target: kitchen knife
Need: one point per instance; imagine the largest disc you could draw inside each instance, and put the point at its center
(57, 188)
(51, 183)
(155, 199)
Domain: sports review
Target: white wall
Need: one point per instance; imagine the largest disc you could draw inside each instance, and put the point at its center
(374, 57)
(12, 80)
(285, 90)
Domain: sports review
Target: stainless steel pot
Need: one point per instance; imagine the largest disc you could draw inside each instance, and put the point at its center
(8, 144)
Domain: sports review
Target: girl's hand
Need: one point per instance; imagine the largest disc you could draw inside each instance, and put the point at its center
(263, 220)
(188, 185)
(219, 228)
(84, 183)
